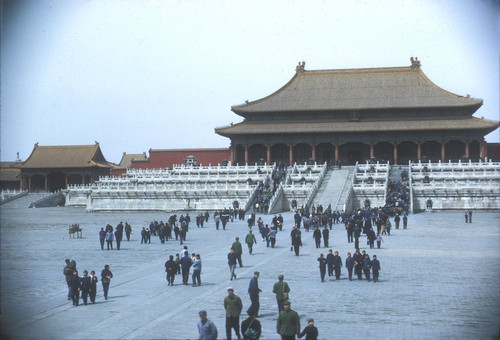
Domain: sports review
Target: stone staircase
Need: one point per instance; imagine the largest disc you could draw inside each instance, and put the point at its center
(395, 172)
(27, 200)
(334, 189)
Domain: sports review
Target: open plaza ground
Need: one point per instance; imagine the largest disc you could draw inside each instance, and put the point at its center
(440, 278)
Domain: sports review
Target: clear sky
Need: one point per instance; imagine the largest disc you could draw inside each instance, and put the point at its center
(135, 75)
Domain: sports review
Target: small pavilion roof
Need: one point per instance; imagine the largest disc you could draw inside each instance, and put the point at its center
(129, 158)
(357, 89)
(324, 126)
(66, 156)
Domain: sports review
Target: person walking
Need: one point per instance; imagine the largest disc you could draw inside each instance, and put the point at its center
(358, 264)
(76, 285)
(326, 235)
(288, 324)
(206, 328)
(93, 286)
(171, 268)
(367, 267)
(68, 273)
(375, 268)
(197, 271)
(231, 261)
(330, 262)
(238, 250)
(317, 237)
(405, 221)
(296, 236)
(371, 238)
(85, 286)
(109, 239)
(118, 235)
(185, 265)
(233, 307)
(310, 331)
(250, 241)
(102, 238)
(254, 291)
(322, 267)
(337, 265)
(128, 230)
(349, 264)
(281, 290)
(379, 240)
(106, 276)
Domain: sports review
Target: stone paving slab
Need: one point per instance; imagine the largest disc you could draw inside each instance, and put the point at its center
(439, 279)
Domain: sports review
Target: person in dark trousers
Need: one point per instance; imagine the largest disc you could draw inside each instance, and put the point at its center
(197, 270)
(93, 286)
(288, 324)
(367, 267)
(76, 285)
(349, 264)
(310, 331)
(375, 268)
(470, 215)
(171, 268)
(118, 235)
(85, 286)
(254, 291)
(405, 221)
(281, 290)
(337, 263)
(109, 239)
(238, 250)
(251, 325)
(397, 219)
(358, 264)
(317, 237)
(250, 241)
(102, 238)
(296, 240)
(330, 262)
(68, 273)
(371, 238)
(106, 276)
(322, 266)
(185, 266)
(128, 230)
(233, 307)
(231, 261)
(326, 235)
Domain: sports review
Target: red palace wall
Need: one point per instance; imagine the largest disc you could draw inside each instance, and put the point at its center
(167, 158)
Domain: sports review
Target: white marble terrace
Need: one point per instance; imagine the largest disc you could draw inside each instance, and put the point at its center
(462, 185)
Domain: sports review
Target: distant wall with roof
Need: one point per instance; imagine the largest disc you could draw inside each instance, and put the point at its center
(170, 157)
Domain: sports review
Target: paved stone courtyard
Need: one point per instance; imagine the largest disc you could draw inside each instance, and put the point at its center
(439, 279)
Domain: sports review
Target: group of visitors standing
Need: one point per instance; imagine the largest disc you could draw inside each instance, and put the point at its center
(106, 235)
(182, 265)
(85, 286)
(287, 324)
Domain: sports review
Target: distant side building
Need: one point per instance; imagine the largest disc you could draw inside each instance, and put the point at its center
(126, 162)
(10, 176)
(51, 168)
(167, 158)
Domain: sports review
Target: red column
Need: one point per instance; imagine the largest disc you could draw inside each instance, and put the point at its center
(246, 154)
(336, 153)
(46, 182)
(419, 152)
(291, 154)
(29, 184)
(466, 149)
(268, 154)
(231, 150)
(443, 154)
(314, 152)
(372, 151)
(395, 153)
(485, 149)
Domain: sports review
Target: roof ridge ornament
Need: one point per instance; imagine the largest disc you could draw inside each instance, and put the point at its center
(300, 67)
(415, 62)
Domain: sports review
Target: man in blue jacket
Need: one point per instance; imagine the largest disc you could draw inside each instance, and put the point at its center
(375, 268)
(185, 265)
(253, 290)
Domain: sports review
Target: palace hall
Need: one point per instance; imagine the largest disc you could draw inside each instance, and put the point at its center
(393, 114)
